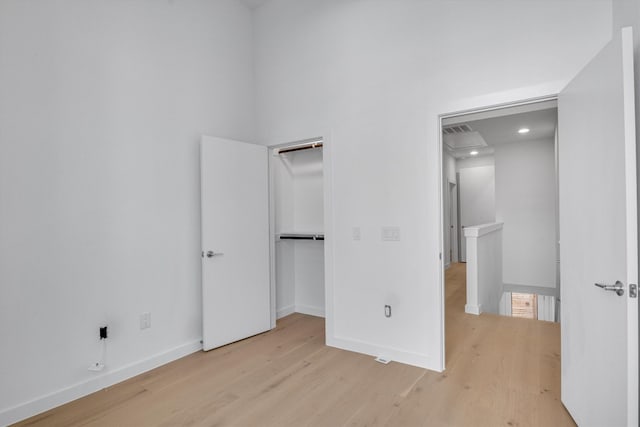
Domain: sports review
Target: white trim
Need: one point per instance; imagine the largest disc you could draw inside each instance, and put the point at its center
(98, 382)
(631, 224)
(329, 215)
(310, 310)
(285, 311)
(505, 99)
(441, 291)
(274, 312)
(473, 309)
(397, 355)
(481, 230)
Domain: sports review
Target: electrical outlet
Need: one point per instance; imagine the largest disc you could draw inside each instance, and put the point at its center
(387, 311)
(96, 367)
(145, 320)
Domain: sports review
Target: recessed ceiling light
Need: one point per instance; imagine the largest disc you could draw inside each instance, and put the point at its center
(523, 130)
(474, 153)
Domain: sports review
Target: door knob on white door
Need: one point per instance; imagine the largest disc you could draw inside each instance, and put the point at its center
(211, 254)
(618, 288)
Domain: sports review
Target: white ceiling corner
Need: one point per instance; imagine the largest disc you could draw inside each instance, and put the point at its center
(253, 4)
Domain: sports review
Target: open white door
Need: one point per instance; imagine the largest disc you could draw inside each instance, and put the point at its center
(235, 241)
(598, 233)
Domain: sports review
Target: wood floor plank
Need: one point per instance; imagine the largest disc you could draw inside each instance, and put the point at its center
(500, 371)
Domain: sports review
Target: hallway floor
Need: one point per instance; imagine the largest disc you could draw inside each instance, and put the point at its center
(514, 362)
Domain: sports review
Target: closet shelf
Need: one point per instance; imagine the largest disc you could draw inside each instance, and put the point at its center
(300, 236)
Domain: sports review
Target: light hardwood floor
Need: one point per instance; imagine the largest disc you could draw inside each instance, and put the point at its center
(500, 372)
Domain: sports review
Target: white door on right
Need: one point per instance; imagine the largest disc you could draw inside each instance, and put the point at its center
(598, 239)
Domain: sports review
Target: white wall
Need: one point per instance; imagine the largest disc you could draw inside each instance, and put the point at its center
(474, 162)
(477, 195)
(375, 75)
(477, 198)
(309, 270)
(526, 204)
(285, 277)
(101, 108)
(300, 277)
(308, 191)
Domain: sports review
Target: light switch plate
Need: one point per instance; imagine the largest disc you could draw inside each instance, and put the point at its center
(391, 234)
(145, 320)
(356, 233)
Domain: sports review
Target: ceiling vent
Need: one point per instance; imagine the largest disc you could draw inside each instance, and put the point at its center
(451, 130)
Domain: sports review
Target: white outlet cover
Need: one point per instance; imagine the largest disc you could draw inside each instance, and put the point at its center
(356, 233)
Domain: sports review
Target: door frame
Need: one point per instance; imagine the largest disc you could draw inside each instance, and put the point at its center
(462, 106)
(454, 220)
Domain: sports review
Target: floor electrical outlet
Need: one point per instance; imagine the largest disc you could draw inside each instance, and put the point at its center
(96, 367)
(382, 360)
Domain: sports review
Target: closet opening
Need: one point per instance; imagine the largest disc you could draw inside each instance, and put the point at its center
(297, 224)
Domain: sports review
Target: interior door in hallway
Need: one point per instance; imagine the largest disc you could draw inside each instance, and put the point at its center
(598, 225)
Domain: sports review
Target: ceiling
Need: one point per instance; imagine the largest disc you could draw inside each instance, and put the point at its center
(484, 131)
(253, 4)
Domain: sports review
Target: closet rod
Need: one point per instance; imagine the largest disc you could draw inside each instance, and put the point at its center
(301, 237)
(316, 144)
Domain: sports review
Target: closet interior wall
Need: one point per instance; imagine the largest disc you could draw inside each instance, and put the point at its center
(298, 206)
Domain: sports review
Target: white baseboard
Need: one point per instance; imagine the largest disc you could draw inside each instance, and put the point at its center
(310, 310)
(447, 265)
(401, 356)
(473, 309)
(285, 311)
(98, 382)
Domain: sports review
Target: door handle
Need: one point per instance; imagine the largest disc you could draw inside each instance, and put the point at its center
(618, 288)
(211, 254)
